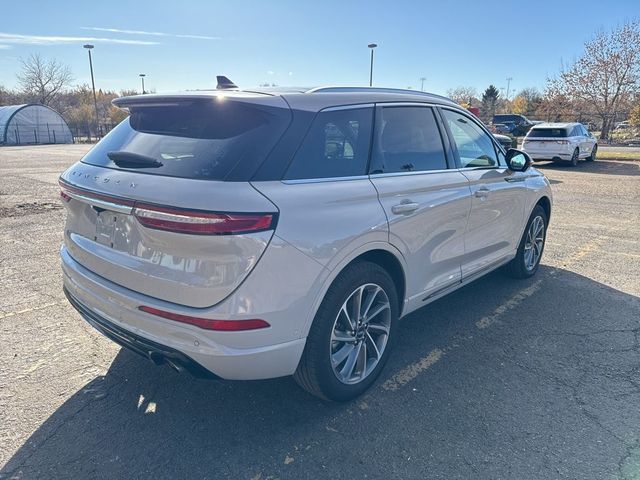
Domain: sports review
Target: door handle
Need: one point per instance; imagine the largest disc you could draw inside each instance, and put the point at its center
(515, 179)
(482, 192)
(405, 207)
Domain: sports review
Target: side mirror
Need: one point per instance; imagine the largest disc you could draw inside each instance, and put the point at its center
(517, 160)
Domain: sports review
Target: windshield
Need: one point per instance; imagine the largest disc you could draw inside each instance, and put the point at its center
(202, 140)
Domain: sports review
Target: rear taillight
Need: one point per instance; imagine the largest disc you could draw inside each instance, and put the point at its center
(174, 219)
(207, 323)
(202, 223)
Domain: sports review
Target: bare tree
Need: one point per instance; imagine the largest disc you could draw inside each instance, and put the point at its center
(466, 95)
(605, 75)
(43, 80)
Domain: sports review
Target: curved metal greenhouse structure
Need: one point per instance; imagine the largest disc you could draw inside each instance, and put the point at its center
(32, 124)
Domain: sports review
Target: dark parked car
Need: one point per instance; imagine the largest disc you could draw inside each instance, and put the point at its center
(522, 123)
(504, 140)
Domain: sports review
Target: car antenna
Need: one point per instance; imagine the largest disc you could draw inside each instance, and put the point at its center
(224, 83)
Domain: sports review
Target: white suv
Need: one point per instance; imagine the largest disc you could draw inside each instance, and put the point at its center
(560, 142)
(252, 235)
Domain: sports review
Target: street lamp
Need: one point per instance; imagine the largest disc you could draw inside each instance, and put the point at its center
(142, 75)
(93, 84)
(371, 46)
(422, 79)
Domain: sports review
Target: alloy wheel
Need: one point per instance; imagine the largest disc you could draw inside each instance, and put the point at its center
(534, 243)
(360, 333)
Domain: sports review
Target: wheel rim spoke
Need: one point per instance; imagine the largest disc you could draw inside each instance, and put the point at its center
(352, 358)
(381, 328)
(361, 363)
(338, 357)
(373, 344)
(345, 313)
(357, 304)
(377, 311)
(370, 301)
(344, 337)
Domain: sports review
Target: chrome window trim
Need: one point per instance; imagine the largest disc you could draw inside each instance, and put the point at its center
(407, 104)
(419, 172)
(324, 180)
(354, 106)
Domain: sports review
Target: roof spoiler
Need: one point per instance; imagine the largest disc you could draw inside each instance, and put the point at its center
(224, 83)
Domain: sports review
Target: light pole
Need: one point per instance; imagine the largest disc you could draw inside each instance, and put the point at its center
(142, 75)
(508, 85)
(93, 85)
(372, 46)
(422, 79)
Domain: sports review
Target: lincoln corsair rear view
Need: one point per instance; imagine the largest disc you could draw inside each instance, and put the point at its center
(251, 234)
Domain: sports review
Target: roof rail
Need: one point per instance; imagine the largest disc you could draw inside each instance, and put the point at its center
(373, 90)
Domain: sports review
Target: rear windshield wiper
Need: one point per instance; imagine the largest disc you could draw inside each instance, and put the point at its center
(133, 160)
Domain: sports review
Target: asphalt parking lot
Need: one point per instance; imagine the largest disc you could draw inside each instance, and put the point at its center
(536, 379)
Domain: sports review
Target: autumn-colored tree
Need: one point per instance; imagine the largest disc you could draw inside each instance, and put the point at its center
(605, 75)
(519, 105)
(634, 116)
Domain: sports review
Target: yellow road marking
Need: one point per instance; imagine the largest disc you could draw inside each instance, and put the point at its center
(410, 372)
(27, 310)
(510, 304)
(585, 250)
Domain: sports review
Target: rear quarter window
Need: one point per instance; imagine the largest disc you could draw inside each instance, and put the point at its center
(336, 145)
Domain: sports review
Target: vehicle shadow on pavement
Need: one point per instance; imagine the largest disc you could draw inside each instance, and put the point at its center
(520, 369)
(606, 167)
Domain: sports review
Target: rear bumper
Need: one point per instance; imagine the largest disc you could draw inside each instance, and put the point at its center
(542, 156)
(112, 310)
(158, 354)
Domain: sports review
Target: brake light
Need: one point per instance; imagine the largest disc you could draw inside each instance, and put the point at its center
(207, 323)
(202, 223)
(179, 220)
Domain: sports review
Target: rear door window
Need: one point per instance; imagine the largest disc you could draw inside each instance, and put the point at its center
(337, 145)
(408, 139)
(205, 140)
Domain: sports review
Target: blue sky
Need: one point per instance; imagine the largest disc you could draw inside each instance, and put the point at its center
(183, 45)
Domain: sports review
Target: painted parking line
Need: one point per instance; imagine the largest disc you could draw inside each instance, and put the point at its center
(513, 302)
(27, 310)
(410, 372)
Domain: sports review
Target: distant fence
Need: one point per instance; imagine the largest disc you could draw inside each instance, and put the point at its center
(594, 120)
(30, 133)
(90, 134)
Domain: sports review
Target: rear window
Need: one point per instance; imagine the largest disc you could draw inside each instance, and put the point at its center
(547, 133)
(219, 140)
(505, 118)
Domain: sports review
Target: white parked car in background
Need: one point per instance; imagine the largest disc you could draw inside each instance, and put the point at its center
(560, 142)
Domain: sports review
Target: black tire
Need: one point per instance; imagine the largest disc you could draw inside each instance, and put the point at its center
(575, 157)
(315, 373)
(516, 268)
(594, 152)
